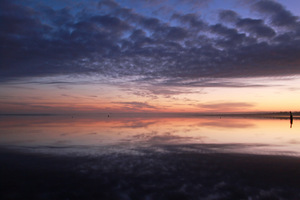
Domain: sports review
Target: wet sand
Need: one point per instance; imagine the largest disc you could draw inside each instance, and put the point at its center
(149, 175)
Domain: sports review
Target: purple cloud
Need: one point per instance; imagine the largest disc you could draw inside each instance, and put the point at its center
(116, 41)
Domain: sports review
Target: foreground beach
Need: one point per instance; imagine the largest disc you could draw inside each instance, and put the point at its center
(149, 175)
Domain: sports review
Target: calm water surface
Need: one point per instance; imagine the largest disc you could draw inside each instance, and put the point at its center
(102, 135)
(153, 158)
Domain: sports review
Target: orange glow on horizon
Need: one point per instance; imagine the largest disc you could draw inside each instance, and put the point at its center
(281, 95)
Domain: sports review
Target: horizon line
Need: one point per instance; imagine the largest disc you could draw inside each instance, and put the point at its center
(168, 113)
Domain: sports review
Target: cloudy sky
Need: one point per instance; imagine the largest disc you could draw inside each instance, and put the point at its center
(64, 56)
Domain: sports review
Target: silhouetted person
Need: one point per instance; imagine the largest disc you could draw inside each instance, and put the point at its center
(291, 119)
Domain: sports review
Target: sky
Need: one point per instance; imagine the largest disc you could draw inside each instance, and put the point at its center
(109, 56)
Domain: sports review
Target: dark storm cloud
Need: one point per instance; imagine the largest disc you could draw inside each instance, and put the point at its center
(256, 26)
(191, 19)
(110, 23)
(228, 16)
(230, 37)
(194, 4)
(116, 41)
(278, 14)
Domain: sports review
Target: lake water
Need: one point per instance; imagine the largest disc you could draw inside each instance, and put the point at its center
(144, 157)
(104, 135)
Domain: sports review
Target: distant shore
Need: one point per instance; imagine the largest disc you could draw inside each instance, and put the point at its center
(270, 115)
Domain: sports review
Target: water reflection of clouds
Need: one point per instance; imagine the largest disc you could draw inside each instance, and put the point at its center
(61, 142)
(183, 171)
(139, 123)
(167, 138)
(93, 133)
(125, 134)
(144, 136)
(156, 137)
(211, 147)
(226, 124)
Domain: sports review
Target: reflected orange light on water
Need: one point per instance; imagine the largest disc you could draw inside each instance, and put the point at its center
(61, 131)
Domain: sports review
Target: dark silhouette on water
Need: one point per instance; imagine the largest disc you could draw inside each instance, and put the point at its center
(291, 119)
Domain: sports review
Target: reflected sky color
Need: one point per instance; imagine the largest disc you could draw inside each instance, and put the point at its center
(102, 135)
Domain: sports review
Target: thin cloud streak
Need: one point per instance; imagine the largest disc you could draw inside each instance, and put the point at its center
(135, 105)
(226, 106)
